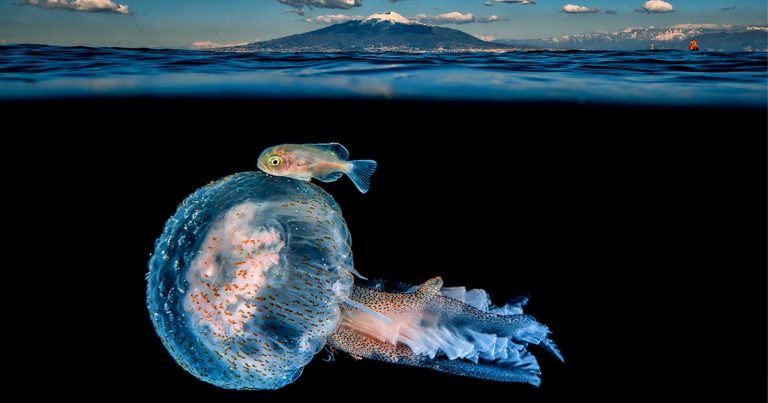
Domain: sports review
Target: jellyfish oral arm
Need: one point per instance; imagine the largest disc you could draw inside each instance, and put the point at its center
(374, 315)
(360, 345)
(426, 329)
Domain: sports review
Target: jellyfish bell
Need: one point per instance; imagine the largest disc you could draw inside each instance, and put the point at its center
(246, 280)
(254, 274)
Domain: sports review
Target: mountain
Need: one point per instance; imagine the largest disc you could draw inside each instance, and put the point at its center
(711, 37)
(387, 31)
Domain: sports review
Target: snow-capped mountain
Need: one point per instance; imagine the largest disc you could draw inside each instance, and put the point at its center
(389, 16)
(388, 31)
(710, 37)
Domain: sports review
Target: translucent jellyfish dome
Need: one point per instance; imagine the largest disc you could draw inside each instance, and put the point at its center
(246, 280)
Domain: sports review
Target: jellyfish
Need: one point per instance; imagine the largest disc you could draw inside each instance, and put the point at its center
(253, 276)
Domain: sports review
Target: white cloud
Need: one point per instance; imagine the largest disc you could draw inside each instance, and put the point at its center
(214, 45)
(333, 19)
(487, 38)
(454, 17)
(340, 4)
(697, 26)
(517, 1)
(489, 19)
(91, 6)
(657, 6)
(577, 9)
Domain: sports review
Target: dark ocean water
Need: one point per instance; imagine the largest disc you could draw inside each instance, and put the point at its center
(638, 77)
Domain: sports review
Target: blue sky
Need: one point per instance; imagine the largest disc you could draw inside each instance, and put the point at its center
(180, 23)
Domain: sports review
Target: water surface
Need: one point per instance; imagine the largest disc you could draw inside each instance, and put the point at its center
(635, 77)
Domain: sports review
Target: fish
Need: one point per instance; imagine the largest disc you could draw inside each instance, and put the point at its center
(325, 162)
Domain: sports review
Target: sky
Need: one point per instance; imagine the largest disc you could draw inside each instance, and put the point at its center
(188, 23)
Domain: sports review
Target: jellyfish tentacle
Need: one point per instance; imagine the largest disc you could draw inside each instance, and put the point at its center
(426, 329)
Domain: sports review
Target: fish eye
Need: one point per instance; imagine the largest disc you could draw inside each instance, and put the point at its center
(275, 160)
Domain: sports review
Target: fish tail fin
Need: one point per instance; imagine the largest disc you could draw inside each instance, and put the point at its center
(360, 172)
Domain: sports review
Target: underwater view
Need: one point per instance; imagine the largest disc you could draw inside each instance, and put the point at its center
(434, 200)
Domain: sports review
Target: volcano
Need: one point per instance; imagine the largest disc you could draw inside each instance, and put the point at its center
(387, 31)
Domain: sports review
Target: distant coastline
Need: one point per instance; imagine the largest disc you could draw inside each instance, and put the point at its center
(391, 32)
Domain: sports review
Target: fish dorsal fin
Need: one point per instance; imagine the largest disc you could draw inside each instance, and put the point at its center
(339, 150)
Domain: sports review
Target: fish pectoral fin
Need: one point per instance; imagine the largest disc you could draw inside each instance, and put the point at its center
(330, 177)
(337, 149)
